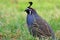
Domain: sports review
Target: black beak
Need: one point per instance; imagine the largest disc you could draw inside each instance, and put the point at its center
(24, 10)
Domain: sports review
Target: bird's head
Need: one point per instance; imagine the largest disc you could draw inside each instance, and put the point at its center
(28, 10)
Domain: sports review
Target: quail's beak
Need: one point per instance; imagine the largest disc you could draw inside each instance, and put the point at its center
(24, 10)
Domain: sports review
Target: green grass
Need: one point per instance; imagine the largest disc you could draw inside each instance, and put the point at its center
(13, 18)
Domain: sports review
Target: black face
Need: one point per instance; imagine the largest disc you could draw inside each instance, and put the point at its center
(28, 11)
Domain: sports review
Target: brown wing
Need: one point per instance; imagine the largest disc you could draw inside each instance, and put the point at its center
(43, 25)
(36, 31)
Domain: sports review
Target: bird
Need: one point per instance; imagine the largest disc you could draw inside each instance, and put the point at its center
(37, 26)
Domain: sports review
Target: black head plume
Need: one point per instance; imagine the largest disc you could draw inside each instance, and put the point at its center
(30, 4)
(29, 9)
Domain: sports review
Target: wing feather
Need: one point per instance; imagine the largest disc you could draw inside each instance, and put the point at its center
(43, 25)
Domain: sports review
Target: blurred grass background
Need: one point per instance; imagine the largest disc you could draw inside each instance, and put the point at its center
(13, 18)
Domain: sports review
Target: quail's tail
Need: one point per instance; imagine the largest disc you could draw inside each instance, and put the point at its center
(53, 36)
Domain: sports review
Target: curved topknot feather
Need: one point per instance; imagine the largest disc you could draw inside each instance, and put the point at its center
(30, 4)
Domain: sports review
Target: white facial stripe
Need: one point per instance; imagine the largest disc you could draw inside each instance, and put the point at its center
(30, 12)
